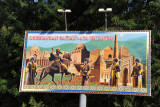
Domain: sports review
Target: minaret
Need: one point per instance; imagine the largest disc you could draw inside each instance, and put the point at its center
(116, 47)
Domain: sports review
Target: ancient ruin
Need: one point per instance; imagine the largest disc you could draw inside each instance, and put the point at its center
(42, 57)
(101, 61)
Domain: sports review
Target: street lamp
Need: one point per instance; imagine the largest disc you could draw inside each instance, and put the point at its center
(65, 15)
(105, 11)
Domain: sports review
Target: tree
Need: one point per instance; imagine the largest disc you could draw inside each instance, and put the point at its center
(16, 16)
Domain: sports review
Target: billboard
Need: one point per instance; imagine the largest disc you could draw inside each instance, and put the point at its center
(103, 62)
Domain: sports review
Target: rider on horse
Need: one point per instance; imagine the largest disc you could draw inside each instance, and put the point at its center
(59, 66)
(56, 58)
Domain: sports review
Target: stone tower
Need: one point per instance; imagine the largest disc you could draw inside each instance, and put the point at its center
(116, 47)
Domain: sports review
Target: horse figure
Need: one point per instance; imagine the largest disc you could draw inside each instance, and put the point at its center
(51, 70)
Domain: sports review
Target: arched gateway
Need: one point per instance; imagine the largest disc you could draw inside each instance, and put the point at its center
(125, 77)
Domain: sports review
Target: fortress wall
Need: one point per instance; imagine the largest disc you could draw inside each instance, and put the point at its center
(123, 52)
(95, 71)
(94, 54)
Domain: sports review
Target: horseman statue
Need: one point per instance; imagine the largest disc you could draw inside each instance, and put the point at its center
(60, 65)
(56, 58)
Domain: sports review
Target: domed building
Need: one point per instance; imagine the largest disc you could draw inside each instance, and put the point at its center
(80, 46)
(42, 56)
(79, 54)
(108, 53)
(34, 50)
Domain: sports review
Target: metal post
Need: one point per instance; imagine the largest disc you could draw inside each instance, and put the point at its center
(106, 21)
(83, 100)
(65, 15)
(105, 11)
(65, 18)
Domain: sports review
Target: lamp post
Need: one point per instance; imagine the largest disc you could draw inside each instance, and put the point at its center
(105, 11)
(65, 15)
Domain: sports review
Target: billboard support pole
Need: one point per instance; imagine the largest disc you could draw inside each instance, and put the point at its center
(106, 21)
(65, 18)
(82, 100)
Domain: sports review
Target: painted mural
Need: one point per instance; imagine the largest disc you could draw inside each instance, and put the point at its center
(87, 62)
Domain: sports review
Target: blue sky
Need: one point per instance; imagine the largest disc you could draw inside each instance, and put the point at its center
(122, 36)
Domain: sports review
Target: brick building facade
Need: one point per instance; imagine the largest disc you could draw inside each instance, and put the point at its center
(101, 61)
(79, 54)
(42, 57)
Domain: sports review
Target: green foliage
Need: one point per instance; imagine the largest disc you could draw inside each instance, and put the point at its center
(33, 103)
(3, 85)
(16, 16)
(24, 105)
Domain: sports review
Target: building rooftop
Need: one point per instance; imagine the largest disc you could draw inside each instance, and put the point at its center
(81, 46)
